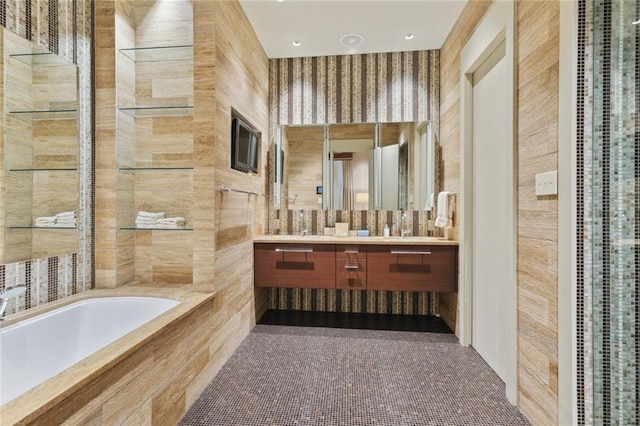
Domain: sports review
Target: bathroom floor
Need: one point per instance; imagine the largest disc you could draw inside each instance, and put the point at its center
(295, 375)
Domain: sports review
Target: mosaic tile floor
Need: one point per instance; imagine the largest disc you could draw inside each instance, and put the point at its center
(283, 375)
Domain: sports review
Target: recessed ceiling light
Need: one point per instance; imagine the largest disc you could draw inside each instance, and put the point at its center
(408, 36)
(351, 40)
(296, 43)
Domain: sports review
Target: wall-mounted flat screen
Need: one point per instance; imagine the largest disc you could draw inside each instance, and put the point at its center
(244, 147)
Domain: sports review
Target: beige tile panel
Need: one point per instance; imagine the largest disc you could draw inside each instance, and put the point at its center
(538, 224)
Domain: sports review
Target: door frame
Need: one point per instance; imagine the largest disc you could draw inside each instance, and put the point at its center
(497, 26)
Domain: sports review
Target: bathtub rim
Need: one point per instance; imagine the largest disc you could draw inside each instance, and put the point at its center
(37, 401)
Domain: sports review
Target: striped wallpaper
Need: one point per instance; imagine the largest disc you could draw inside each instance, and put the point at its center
(66, 28)
(380, 87)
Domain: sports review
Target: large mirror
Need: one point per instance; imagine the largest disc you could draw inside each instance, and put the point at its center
(39, 143)
(365, 166)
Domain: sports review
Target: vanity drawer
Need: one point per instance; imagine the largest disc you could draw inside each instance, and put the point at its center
(351, 274)
(412, 268)
(351, 252)
(294, 265)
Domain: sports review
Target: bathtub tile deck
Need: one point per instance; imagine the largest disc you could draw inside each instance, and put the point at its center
(283, 375)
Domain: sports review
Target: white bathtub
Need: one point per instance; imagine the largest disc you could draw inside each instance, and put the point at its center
(38, 348)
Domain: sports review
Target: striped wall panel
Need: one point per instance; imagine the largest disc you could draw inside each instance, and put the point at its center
(66, 28)
(354, 301)
(380, 87)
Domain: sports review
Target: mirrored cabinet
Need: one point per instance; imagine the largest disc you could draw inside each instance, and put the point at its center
(356, 166)
(39, 152)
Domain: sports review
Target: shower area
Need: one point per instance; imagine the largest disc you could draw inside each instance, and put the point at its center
(608, 220)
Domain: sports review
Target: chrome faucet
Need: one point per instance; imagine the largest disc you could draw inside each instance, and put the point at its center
(8, 294)
(404, 230)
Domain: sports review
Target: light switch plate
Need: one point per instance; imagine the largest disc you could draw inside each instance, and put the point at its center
(547, 183)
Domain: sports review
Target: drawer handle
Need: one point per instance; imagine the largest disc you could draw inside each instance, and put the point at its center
(351, 251)
(410, 252)
(351, 267)
(285, 250)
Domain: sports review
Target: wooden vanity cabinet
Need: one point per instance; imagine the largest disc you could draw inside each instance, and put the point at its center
(351, 267)
(412, 268)
(295, 265)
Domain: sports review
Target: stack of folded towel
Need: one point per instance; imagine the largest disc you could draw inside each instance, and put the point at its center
(66, 219)
(158, 221)
(62, 220)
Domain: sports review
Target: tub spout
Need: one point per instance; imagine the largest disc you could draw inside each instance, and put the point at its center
(8, 294)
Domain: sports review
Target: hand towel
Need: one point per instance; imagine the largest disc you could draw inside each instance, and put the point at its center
(442, 219)
(152, 215)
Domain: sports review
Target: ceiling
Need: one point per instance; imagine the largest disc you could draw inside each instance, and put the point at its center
(320, 24)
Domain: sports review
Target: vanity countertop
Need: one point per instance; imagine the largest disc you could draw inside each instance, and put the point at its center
(323, 239)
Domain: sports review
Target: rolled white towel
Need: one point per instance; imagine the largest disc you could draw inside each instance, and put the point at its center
(152, 215)
(66, 220)
(169, 225)
(65, 224)
(44, 219)
(45, 223)
(171, 220)
(66, 214)
(146, 220)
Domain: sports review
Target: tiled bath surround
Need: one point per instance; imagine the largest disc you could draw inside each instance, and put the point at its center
(65, 28)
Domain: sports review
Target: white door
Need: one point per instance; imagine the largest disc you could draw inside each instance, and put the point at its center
(490, 273)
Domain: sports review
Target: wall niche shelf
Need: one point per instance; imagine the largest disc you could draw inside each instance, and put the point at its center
(62, 114)
(159, 111)
(154, 135)
(44, 170)
(149, 169)
(157, 54)
(57, 228)
(134, 228)
(41, 59)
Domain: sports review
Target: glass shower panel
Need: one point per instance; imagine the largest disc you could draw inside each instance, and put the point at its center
(616, 227)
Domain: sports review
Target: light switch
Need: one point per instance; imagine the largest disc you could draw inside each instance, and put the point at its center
(547, 183)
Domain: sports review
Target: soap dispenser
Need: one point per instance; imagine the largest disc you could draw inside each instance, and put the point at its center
(387, 231)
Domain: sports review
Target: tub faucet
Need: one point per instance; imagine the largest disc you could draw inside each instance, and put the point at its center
(8, 294)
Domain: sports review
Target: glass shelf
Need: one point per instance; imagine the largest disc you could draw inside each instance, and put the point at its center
(145, 169)
(63, 114)
(43, 170)
(41, 59)
(134, 228)
(159, 111)
(155, 54)
(42, 227)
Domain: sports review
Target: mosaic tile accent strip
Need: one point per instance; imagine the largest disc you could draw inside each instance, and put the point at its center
(321, 376)
(581, 103)
(289, 222)
(66, 28)
(354, 301)
(609, 278)
(47, 279)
